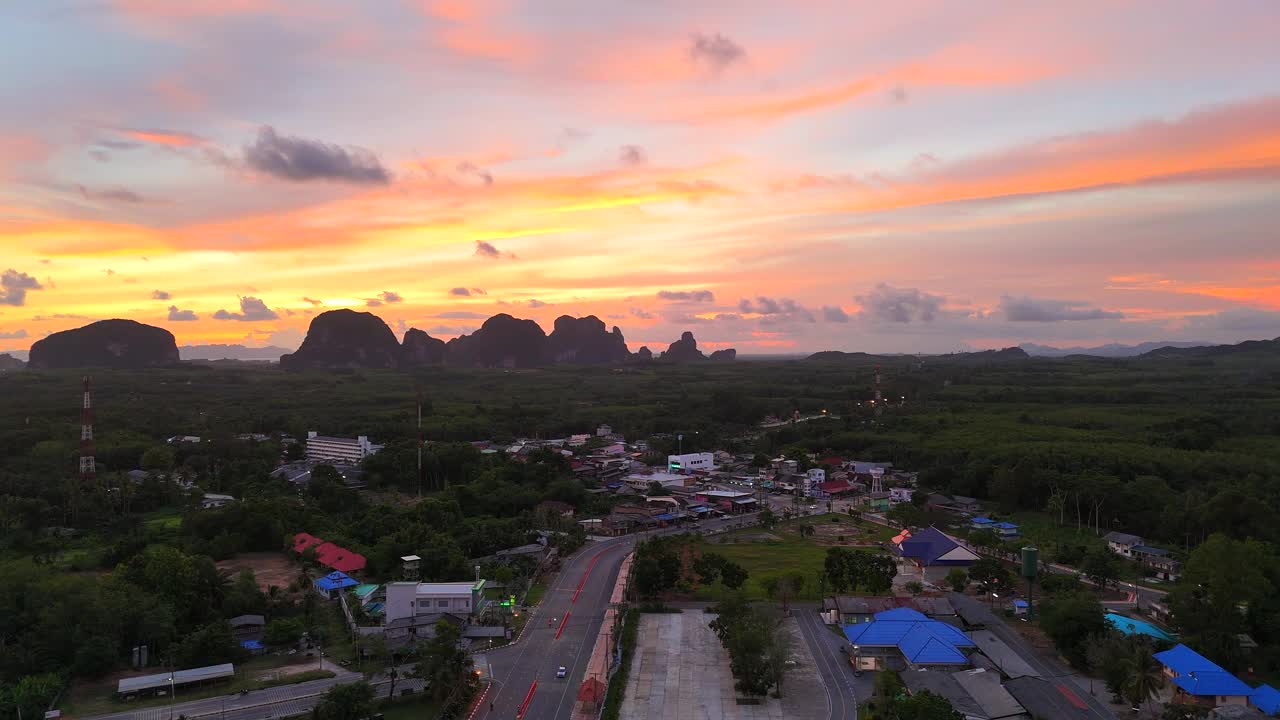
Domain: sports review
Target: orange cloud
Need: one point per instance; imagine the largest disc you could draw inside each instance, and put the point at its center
(1225, 142)
(170, 138)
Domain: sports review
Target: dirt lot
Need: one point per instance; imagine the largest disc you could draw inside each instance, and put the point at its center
(270, 568)
(829, 534)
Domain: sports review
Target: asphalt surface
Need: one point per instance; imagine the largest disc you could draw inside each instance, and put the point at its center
(537, 654)
(832, 666)
(276, 702)
(1050, 671)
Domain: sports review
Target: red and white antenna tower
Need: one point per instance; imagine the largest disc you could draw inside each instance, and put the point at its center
(88, 470)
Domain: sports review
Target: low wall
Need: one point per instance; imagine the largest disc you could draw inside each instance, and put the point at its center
(605, 650)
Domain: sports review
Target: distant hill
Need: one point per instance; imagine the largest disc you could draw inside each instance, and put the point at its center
(1005, 355)
(270, 353)
(502, 341)
(106, 343)
(348, 339)
(1108, 350)
(345, 339)
(1260, 347)
(684, 350)
(9, 362)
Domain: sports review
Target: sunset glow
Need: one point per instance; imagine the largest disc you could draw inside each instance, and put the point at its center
(783, 177)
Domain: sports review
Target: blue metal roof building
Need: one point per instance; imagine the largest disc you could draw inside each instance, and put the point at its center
(932, 547)
(1266, 699)
(334, 582)
(920, 639)
(1195, 675)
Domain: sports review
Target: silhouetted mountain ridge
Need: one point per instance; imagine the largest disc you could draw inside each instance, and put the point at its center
(106, 343)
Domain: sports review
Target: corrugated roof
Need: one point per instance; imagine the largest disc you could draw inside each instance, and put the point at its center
(1198, 675)
(335, 581)
(1212, 683)
(928, 546)
(985, 688)
(902, 614)
(1182, 659)
(924, 642)
(1266, 699)
(181, 677)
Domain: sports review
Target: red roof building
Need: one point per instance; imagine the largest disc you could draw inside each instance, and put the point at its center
(835, 487)
(330, 555)
(302, 541)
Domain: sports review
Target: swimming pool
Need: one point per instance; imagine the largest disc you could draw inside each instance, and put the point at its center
(1134, 626)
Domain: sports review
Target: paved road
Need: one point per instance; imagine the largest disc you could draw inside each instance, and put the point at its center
(1050, 671)
(276, 702)
(832, 666)
(538, 653)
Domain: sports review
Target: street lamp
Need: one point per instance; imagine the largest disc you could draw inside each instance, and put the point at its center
(857, 664)
(994, 597)
(171, 691)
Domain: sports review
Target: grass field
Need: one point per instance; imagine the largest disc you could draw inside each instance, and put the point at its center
(415, 709)
(782, 551)
(534, 596)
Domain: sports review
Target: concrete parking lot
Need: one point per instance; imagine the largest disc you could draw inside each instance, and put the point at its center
(680, 671)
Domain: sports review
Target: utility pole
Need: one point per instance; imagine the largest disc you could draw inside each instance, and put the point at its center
(419, 441)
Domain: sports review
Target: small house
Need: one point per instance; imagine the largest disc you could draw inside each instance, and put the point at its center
(1122, 543)
(1200, 681)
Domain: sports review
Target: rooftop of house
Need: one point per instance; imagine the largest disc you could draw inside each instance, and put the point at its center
(1197, 675)
(1120, 538)
(1047, 700)
(728, 494)
(1266, 699)
(1148, 550)
(931, 546)
(335, 581)
(441, 588)
(921, 640)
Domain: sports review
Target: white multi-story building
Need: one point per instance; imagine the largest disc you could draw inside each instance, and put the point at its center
(412, 599)
(323, 448)
(812, 479)
(689, 462)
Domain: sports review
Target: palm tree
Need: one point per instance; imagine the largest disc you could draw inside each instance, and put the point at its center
(1144, 677)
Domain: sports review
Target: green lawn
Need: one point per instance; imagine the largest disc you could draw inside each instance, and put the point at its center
(789, 553)
(416, 709)
(534, 596)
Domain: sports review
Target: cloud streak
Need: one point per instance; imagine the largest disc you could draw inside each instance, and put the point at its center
(1028, 309)
(900, 305)
(489, 251)
(176, 315)
(14, 286)
(715, 52)
(697, 296)
(299, 159)
(251, 310)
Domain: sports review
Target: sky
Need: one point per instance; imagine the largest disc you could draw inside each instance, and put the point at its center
(775, 177)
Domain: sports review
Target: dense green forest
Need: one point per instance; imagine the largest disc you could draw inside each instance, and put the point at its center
(1178, 449)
